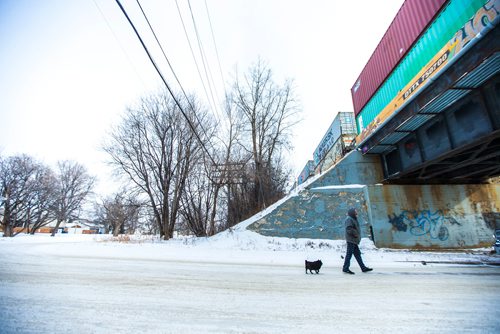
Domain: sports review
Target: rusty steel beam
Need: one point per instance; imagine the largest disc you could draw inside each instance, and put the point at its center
(464, 151)
(455, 160)
(494, 172)
(481, 149)
(468, 162)
(479, 171)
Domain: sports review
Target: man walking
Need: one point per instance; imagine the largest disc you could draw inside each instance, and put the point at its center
(353, 237)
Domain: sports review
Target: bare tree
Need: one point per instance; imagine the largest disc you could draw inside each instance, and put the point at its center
(203, 207)
(99, 216)
(230, 175)
(72, 187)
(120, 213)
(19, 185)
(154, 148)
(269, 112)
(42, 200)
(198, 202)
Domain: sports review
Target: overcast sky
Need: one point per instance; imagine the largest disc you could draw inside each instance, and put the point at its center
(68, 69)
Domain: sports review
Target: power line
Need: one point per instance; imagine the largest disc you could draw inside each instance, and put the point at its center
(218, 59)
(215, 44)
(194, 57)
(120, 44)
(170, 65)
(208, 73)
(164, 81)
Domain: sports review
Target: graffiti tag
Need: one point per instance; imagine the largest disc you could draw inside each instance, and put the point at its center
(398, 222)
(422, 222)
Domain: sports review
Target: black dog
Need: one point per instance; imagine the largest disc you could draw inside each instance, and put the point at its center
(314, 265)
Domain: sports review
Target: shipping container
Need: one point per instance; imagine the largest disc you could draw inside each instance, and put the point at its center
(486, 18)
(409, 23)
(347, 123)
(453, 16)
(307, 172)
(336, 152)
(343, 123)
(330, 137)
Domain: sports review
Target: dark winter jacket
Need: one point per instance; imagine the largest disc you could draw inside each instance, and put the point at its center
(352, 231)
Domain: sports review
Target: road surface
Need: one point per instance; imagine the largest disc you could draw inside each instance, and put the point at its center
(51, 292)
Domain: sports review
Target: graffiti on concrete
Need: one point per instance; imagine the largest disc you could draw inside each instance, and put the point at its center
(314, 215)
(492, 219)
(398, 222)
(453, 221)
(427, 223)
(423, 222)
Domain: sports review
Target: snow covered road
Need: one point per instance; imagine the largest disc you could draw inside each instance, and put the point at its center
(76, 287)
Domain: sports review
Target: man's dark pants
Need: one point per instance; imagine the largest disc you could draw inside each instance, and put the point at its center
(353, 249)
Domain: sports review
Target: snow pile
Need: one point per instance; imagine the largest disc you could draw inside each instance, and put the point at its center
(235, 246)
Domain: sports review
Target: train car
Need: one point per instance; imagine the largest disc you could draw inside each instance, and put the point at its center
(453, 15)
(412, 19)
(307, 172)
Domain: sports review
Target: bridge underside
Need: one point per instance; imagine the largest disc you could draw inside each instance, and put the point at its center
(450, 133)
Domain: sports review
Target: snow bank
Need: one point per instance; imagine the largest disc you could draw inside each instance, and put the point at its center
(234, 246)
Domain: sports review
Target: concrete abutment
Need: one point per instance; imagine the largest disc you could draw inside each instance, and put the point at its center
(396, 216)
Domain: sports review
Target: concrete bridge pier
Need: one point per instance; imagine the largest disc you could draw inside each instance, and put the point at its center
(444, 216)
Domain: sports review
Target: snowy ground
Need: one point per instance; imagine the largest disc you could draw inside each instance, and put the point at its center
(238, 282)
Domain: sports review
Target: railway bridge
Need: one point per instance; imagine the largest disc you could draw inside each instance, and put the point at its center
(424, 171)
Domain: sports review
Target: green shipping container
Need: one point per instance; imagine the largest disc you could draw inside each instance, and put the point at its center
(444, 27)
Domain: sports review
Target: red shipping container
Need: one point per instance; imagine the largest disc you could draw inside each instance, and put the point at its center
(410, 22)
